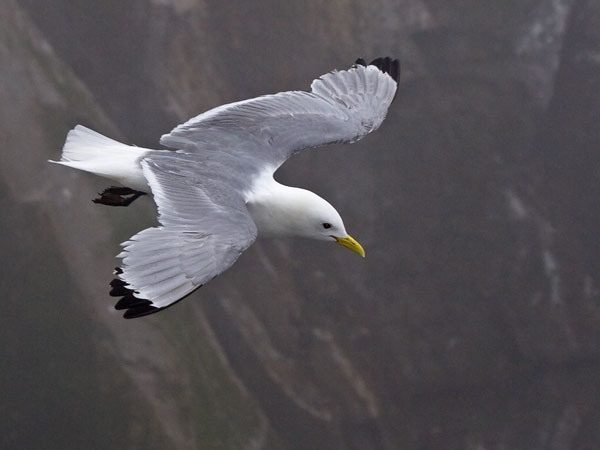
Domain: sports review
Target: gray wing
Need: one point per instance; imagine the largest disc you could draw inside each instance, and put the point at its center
(204, 229)
(342, 106)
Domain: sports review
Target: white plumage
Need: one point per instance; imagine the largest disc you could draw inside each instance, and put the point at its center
(87, 150)
(216, 192)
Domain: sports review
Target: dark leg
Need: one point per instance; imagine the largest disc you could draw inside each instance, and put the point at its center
(118, 196)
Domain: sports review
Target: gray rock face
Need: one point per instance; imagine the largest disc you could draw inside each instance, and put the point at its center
(473, 323)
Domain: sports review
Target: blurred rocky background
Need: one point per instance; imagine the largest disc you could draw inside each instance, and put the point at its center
(474, 321)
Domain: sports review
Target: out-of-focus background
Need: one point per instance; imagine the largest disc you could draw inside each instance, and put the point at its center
(474, 321)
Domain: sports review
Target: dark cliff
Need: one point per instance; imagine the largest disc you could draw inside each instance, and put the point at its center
(474, 321)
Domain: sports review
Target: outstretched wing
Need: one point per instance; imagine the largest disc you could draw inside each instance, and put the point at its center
(342, 106)
(205, 228)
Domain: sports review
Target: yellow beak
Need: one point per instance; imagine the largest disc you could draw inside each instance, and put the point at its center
(350, 242)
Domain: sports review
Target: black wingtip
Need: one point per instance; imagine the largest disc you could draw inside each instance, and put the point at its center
(389, 66)
(130, 301)
(386, 65)
(134, 306)
(140, 311)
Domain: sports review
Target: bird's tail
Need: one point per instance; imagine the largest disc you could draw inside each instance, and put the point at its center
(87, 150)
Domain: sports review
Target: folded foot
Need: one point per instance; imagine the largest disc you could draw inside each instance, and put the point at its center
(118, 196)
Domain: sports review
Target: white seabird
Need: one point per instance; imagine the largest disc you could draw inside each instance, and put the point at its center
(215, 190)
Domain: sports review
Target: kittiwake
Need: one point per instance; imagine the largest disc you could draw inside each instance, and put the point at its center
(215, 190)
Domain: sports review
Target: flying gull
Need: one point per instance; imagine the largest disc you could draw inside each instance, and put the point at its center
(215, 189)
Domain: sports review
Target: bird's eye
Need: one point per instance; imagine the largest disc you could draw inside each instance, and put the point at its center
(327, 226)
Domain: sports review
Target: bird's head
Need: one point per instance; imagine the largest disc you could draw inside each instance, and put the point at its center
(321, 221)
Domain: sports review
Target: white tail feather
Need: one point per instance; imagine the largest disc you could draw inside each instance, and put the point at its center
(87, 150)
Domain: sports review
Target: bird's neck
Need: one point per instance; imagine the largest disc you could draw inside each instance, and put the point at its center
(277, 210)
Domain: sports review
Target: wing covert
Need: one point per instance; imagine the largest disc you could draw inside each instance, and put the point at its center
(342, 106)
(201, 235)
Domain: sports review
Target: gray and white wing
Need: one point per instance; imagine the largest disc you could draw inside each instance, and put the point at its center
(342, 106)
(204, 229)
